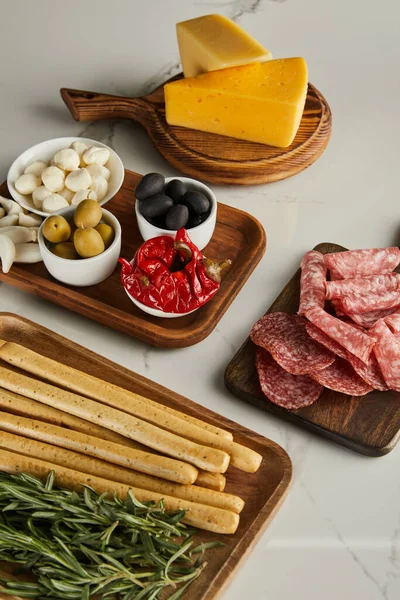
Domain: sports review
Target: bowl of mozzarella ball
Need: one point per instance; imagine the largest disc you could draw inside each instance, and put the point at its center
(63, 172)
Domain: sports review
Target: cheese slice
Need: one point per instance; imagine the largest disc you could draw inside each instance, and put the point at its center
(261, 102)
(215, 42)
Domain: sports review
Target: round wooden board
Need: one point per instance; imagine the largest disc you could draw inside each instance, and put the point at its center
(210, 157)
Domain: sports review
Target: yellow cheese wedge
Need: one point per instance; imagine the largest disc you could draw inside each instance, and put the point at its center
(215, 42)
(261, 102)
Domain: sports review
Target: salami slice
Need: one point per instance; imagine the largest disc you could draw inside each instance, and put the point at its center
(359, 286)
(333, 274)
(359, 263)
(286, 338)
(312, 282)
(338, 306)
(349, 337)
(387, 352)
(324, 339)
(282, 388)
(371, 302)
(393, 322)
(371, 373)
(341, 377)
(368, 319)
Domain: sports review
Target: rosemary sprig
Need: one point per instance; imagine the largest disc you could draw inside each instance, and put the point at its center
(84, 545)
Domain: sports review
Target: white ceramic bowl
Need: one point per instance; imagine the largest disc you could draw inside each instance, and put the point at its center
(199, 235)
(45, 151)
(86, 271)
(155, 312)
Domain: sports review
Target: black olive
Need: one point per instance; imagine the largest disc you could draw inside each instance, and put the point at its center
(149, 185)
(197, 202)
(175, 189)
(155, 206)
(193, 221)
(205, 216)
(177, 217)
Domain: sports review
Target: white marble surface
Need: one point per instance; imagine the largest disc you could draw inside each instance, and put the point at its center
(338, 534)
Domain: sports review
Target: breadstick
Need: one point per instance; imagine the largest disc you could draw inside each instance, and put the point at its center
(209, 459)
(101, 468)
(205, 517)
(97, 389)
(212, 481)
(25, 407)
(144, 462)
(241, 457)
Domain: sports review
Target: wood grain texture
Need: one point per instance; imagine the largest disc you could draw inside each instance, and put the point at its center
(263, 491)
(237, 236)
(208, 156)
(369, 424)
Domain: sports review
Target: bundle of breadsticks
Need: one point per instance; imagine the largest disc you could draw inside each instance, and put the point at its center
(91, 432)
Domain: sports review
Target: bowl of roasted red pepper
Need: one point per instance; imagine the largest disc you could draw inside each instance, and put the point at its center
(170, 277)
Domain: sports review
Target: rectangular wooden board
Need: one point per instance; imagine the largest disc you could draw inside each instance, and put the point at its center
(263, 491)
(237, 236)
(369, 424)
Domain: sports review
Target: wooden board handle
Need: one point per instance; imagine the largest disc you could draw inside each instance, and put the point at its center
(90, 106)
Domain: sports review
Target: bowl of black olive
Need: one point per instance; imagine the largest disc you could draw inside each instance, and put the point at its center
(164, 205)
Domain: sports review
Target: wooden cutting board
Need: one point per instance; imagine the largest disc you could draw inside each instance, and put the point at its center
(237, 236)
(263, 491)
(207, 156)
(369, 424)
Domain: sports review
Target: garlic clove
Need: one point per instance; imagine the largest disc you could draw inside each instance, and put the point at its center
(67, 159)
(27, 183)
(99, 170)
(77, 180)
(67, 194)
(53, 178)
(100, 186)
(39, 196)
(29, 220)
(7, 253)
(83, 195)
(36, 167)
(27, 253)
(10, 206)
(53, 202)
(80, 148)
(9, 220)
(96, 155)
(20, 235)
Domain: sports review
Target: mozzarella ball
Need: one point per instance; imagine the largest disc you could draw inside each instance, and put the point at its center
(99, 170)
(83, 195)
(100, 186)
(53, 202)
(53, 178)
(39, 195)
(67, 194)
(27, 183)
(78, 180)
(67, 159)
(37, 167)
(96, 155)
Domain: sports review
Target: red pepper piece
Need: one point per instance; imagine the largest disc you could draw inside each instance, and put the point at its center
(172, 275)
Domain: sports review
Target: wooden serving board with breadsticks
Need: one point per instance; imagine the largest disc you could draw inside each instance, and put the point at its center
(65, 408)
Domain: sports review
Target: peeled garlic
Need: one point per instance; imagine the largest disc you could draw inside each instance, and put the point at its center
(78, 180)
(96, 155)
(29, 220)
(67, 194)
(54, 202)
(53, 178)
(39, 195)
(36, 167)
(11, 207)
(27, 183)
(83, 195)
(80, 148)
(100, 186)
(20, 235)
(67, 159)
(7, 253)
(9, 220)
(99, 170)
(27, 253)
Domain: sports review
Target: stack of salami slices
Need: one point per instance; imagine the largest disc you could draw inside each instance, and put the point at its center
(346, 335)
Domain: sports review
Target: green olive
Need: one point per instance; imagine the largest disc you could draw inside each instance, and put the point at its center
(88, 242)
(56, 229)
(107, 233)
(88, 213)
(65, 250)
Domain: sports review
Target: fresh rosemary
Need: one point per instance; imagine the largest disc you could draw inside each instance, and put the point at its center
(83, 545)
